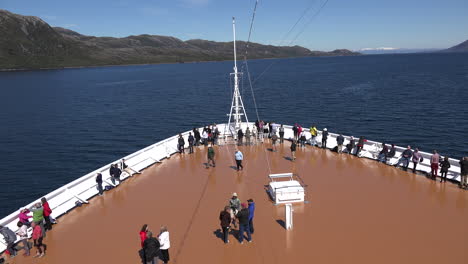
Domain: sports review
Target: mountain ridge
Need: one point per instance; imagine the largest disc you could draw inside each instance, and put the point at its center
(28, 42)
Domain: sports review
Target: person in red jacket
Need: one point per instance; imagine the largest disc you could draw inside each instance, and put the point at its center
(37, 238)
(143, 236)
(47, 212)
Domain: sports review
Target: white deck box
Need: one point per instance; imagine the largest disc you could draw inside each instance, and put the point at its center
(286, 191)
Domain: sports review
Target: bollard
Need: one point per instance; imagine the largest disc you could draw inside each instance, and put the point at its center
(289, 216)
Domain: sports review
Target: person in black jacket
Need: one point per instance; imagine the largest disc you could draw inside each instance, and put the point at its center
(225, 218)
(181, 144)
(350, 146)
(151, 248)
(293, 149)
(115, 173)
(99, 183)
(463, 172)
(243, 217)
(240, 136)
(191, 139)
(324, 138)
(197, 136)
(383, 154)
(339, 142)
(444, 166)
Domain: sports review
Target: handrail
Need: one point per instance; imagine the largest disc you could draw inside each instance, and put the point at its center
(76, 186)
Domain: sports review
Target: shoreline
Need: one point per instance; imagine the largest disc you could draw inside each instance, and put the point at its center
(157, 63)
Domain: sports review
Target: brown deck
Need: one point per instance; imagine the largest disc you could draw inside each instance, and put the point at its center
(360, 211)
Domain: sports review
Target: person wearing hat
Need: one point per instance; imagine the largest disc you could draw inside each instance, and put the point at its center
(324, 138)
(251, 214)
(235, 205)
(243, 217)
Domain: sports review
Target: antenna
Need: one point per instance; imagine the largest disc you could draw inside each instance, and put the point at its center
(237, 106)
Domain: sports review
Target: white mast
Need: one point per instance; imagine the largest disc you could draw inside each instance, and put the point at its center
(237, 106)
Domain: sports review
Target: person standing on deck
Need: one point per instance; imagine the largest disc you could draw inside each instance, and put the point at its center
(274, 138)
(405, 158)
(240, 136)
(435, 158)
(38, 216)
(293, 149)
(225, 218)
(151, 248)
(235, 205)
(339, 142)
(205, 137)
(181, 144)
(281, 133)
(196, 135)
(38, 236)
(350, 146)
(360, 145)
(215, 134)
(302, 139)
(464, 172)
(444, 166)
(251, 214)
(47, 212)
(165, 243)
(243, 217)
(115, 174)
(210, 155)
(191, 139)
(299, 131)
(417, 157)
(295, 130)
(324, 138)
(23, 234)
(313, 135)
(142, 233)
(239, 157)
(99, 183)
(247, 136)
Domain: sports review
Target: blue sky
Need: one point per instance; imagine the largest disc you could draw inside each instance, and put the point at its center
(351, 24)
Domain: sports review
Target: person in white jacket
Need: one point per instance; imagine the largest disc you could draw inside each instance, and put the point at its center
(165, 244)
(23, 234)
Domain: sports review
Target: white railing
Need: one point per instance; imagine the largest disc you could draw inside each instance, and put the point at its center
(82, 189)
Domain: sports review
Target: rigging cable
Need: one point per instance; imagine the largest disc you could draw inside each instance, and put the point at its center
(297, 36)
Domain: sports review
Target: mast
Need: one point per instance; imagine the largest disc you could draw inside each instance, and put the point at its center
(237, 105)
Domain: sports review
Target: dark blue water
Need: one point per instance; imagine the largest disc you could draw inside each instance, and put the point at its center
(57, 125)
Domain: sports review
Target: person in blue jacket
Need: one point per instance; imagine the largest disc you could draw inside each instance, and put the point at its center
(251, 214)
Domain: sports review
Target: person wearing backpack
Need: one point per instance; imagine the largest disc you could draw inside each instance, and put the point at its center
(10, 237)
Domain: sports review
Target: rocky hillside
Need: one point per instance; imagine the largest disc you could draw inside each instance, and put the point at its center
(462, 47)
(29, 42)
